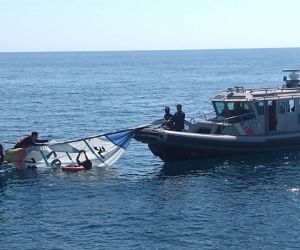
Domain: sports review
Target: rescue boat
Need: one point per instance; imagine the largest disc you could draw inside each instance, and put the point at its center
(243, 121)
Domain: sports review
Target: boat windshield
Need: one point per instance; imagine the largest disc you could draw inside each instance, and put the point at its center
(231, 109)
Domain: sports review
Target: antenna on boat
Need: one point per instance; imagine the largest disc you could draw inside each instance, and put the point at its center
(293, 81)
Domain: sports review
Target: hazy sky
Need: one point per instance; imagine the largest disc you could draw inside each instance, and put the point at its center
(89, 25)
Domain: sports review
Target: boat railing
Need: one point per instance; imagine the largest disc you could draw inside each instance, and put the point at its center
(265, 90)
(202, 116)
(242, 117)
(277, 97)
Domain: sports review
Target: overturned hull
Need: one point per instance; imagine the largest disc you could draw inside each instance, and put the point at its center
(173, 146)
(102, 150)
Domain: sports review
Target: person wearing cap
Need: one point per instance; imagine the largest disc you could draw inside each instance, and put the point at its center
(30, 141)
(168, 123)
(178, 118)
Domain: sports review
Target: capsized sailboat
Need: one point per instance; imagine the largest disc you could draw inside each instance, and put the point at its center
(102, 150)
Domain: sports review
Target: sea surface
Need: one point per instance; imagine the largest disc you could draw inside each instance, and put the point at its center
(242, 202)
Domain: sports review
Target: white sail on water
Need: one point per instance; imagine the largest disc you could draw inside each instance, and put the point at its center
(102, 150)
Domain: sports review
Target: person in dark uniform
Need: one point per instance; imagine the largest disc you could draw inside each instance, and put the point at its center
(178, 118)
(30, 141)
(272, 116)
(167, 115)
(168, 123)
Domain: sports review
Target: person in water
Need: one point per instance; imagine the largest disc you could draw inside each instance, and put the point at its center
(178, 118)
(30, 141)
(168, 123)
(87, 164)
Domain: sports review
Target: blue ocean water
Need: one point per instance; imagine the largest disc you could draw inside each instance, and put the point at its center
(226, 203)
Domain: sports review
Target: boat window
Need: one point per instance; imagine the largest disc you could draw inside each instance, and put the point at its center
(241, 108)
(220, 107)
(291, 107)
(281, 107)
(230, 106)
(260, 108)
(245, 106)
(229, 109)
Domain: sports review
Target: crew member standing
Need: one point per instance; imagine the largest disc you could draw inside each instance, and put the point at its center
(178, 118)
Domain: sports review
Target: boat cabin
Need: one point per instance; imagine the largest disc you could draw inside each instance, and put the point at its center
(240, 111)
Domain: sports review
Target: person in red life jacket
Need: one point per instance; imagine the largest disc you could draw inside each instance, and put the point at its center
(87, 164)
(178, 118)
(30, 141)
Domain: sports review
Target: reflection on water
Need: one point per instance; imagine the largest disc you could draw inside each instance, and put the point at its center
(244, 167)
(210, 191)
(10, 176)
(264, 164)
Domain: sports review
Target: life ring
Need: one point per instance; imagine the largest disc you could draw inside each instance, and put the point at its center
(72, 168)
(56, 163)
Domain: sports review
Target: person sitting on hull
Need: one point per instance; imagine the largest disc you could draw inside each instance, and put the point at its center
(168, 123)
(30, 141)
(178, 118)
(168, 114)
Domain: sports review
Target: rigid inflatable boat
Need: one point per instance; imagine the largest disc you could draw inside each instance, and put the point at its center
(243, 121)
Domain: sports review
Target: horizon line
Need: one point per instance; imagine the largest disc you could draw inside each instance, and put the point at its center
(144, 50)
